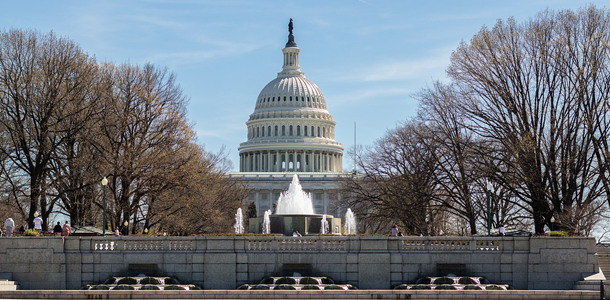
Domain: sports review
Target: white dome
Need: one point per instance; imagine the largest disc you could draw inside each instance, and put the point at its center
(291, 128)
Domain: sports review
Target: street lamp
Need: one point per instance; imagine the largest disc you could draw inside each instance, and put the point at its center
(104, 184)
(552, 223)
(489, 187)
(126, 227)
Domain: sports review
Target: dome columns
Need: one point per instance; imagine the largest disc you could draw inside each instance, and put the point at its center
(291, 161)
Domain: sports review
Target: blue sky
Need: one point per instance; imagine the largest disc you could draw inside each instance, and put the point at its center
(368, 57)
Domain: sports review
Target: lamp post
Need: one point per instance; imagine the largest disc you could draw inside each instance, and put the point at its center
(126, 226)
(552, 223)
(489, 187)
(104, 183)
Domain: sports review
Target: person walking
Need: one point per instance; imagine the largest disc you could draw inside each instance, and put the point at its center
(67, 230)
(8, 227)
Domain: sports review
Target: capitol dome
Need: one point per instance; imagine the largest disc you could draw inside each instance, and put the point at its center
(291, 129)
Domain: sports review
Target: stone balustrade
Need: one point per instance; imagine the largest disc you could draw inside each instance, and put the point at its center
(225, 262)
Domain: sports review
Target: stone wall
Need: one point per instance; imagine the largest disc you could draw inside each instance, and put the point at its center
(367, 262)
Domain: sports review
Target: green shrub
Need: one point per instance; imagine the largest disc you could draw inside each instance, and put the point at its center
(310, 287)
(443, 280)
(286, 280)
(333, 287)
(421, 287)
(284, 287)
(472, 287)
(494, 287)
(558, 233)
(308, 280)
(31, 232)
(150, 280)
(124, 287)
(445, 287)
(467, 280)
(424, 280)
(260, 287)
(327, 280)
(268, 280)
(173, 288)
(128, 280)
(150, 287)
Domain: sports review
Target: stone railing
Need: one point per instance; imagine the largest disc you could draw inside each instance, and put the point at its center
(146, 244)
(301, 244)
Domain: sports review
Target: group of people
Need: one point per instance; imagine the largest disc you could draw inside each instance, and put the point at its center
(9, 226)
(65, 230)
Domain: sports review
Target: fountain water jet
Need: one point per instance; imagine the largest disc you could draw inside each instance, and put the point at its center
(239, 222)
(324, 225)
(350, 222)
(267, 223)
(294, 201)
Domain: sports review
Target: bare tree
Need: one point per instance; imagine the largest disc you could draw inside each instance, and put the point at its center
(523, 87)
(43, 81)
(395, 183)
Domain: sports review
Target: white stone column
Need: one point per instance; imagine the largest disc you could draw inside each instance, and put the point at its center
(277, 161)
(247, 154)
(269, 161)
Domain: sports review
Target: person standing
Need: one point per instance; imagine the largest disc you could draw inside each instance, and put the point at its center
(67, 230)
(37, 223)
(116, 231)
(57, 229)
(8, 227)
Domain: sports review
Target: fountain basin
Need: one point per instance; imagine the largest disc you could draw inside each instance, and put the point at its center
(306, 224)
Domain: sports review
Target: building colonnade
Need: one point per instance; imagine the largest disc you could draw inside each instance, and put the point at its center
(291, 161)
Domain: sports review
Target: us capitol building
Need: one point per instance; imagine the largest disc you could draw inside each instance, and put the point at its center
(291, 131)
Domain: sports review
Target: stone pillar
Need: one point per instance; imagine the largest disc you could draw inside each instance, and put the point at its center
(277, 161)
(325, 202)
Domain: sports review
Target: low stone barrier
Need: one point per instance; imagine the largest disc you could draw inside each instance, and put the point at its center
(225, 262)
(359, 294)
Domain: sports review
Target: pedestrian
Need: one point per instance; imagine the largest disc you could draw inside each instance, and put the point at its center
(37, 222)
(116, 231)
(8, 227)
(57, 229)
(66, 230)
(501, 230)
(394, 230)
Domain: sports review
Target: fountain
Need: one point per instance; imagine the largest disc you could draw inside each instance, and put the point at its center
(350, 222)
(267, 223)
(294, 201)
(294, 212)
(239, 222)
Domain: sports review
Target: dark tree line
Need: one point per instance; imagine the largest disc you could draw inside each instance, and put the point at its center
(526, 108)
(69, 121)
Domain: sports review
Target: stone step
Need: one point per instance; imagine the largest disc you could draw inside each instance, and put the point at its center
(583, 285)
(6, 285)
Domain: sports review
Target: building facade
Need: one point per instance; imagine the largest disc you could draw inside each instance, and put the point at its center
(291, 131)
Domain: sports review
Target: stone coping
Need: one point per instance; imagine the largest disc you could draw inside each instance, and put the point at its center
(353, 294)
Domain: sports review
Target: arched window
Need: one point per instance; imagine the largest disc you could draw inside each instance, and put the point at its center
(269, 131)
(298, 130)
(276, 133)
(313, 133)
(304, 130)
(319, 131)
(290, 98)
(273, 99)
(257, 132)
(283, 130)
(290, 131)
(284, 98)
(263, 131)
(323, 131)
